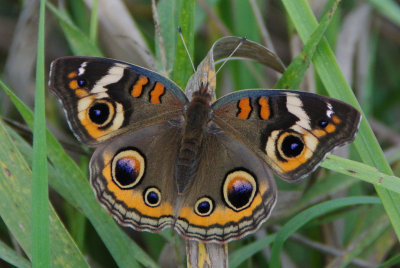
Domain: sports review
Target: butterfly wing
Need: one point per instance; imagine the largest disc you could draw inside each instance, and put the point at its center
(103, 98)
(231, 195)
(132, 176)
(292, 131)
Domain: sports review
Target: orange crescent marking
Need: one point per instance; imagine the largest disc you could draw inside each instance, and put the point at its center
(134, 199)
(81, 93)
(72, 74)
(222, 215)
(293, 163)
(265, 112)
(336, 119)
(137, 88)
(156, 93)
(245, 108)
(330, 128)
(92, 129)
(319, 132)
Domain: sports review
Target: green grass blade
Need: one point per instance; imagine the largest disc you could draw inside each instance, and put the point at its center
(182, 67)
(124, 251)
(376, 230)
(329, 185)
(363, 172)
(327, 67)
(391, 262)
(168, 27)
(10, 256)
(40, 194)
(79, 42)
(94, 22)
(16, 203)
(307, 215)
(294, 74)
(242, 254)
(388, 8)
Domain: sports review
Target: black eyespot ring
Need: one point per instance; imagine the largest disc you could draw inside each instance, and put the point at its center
(239, 189)
(152, 197)
(127, 168)
(101, 112)
(204, 206)
(292, 146)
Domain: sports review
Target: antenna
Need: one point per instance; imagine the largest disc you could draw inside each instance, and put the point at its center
(242, 40)
(230, 55)
(184, 44)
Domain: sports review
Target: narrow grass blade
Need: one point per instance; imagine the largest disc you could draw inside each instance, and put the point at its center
(94, 22)
(168, 29)
(242, 254)
(182, 67)
(374, 232)
(16, 203)
(123, 249)
(388, 8)
(304, 217)
(40, 194)
(79, 42)
(363, 172)
(8, 255)
(391, 262)
(326, 65)
(294, 74)
(331, 184)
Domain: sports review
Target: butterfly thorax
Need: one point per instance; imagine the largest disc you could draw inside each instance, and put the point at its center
(197, 116)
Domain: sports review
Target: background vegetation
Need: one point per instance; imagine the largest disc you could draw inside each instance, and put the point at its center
(332, 219)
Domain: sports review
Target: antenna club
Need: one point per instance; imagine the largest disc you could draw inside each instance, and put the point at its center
(179, 30)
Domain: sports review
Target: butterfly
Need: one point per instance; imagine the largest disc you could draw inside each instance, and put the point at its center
(200, 166)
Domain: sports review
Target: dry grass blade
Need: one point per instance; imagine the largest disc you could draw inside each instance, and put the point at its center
(120, 34)
(21, 58)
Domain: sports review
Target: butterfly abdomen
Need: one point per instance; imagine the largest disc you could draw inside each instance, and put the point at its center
(196, 118)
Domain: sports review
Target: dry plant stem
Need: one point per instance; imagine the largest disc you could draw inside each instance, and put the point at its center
(261, 25)
(349, 38)
(21, 57)
(120, 36)
(206, 255)
(211, 14)
(159, 37)
(264, 33)
(387, 29)
(325, 249)
(384, 132)
(363, 57)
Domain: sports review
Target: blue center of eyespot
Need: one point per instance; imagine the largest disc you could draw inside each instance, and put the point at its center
(125, 171)
(323, 123)
(292, 146)
(99, 113)
(239, 193)
(204, 207)
(152, 197)
(82, 82)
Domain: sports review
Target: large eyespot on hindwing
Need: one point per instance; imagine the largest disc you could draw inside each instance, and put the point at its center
(204, 206)
(127, 168)
(239, 189)
(100, 116)
(152, 197)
